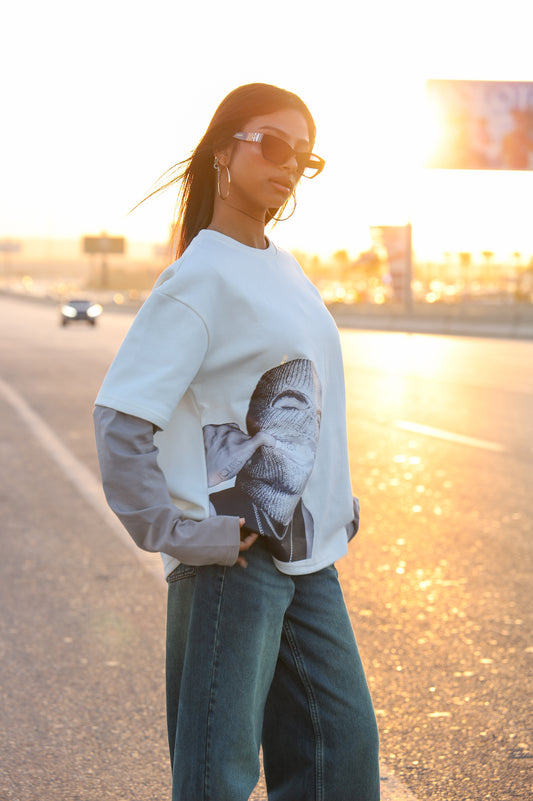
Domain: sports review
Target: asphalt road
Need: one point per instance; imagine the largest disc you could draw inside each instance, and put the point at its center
(438, 581)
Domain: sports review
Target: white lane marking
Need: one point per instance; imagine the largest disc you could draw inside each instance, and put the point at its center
(392, 789)
(439, 433)
(90, 489)
(80, 476)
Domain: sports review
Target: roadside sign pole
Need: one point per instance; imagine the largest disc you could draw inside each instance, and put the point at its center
(408, 297)
(103, 245)
(8, 247)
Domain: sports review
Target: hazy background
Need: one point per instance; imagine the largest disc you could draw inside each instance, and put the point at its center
(99, 99)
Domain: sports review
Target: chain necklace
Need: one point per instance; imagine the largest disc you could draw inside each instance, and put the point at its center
(247, 214)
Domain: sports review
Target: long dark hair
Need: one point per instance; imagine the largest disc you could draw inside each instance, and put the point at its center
(196, 176)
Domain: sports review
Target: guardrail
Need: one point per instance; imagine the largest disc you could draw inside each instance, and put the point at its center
(465, 319)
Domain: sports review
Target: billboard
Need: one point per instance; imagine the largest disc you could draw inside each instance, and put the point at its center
(103, 244)
(480, 125)
(9, 246)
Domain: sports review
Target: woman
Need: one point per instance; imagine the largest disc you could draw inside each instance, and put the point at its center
(222, 444)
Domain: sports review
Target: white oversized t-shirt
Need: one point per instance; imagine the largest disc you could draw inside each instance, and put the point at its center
(234, 343)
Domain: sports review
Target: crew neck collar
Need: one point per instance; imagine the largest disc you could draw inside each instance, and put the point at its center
(210, 233)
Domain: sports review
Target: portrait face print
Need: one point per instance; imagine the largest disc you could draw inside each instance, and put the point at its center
(286, 406)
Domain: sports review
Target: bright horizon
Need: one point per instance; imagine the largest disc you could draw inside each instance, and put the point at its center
(101, 100)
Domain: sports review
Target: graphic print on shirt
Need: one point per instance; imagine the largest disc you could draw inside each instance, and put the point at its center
(272, 461)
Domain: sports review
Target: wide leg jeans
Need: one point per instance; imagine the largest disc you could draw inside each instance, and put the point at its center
(256, 657)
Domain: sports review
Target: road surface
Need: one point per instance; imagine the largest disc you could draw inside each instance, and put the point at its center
(438, 581)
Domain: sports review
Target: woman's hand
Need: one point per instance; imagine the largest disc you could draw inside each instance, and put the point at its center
(228, 449)
(248, 538)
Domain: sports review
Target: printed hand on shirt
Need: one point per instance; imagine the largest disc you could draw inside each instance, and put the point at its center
(228, 449)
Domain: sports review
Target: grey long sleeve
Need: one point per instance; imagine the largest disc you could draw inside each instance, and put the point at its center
(136, 491)
(353, 527)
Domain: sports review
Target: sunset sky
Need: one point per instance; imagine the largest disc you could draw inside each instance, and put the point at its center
(99, 99)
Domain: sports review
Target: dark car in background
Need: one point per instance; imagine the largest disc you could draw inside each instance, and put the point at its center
(83, 310)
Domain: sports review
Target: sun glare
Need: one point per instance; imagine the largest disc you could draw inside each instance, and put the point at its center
(432, 124)
(110, 130)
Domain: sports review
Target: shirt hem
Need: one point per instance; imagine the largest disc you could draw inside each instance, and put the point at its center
(308, 566)
(131, 408)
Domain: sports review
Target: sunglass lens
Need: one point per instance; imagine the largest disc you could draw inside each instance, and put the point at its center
(279, 152)
(274, 149)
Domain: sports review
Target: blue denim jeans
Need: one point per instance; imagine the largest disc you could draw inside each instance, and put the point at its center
(258, 657)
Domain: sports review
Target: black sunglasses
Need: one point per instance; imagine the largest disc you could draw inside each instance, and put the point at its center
(278, 151)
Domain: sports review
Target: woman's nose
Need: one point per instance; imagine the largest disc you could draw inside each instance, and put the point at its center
(291, 165)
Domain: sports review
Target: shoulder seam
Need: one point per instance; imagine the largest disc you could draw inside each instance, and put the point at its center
(187, 306)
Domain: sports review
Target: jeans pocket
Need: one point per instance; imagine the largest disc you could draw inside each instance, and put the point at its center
(181, 572)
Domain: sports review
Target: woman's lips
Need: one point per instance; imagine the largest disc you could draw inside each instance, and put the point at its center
(281, 186)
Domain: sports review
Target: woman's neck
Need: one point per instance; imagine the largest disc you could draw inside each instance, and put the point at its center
(238, 224)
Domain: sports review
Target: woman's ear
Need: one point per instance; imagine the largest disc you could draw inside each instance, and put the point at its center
(223, 155)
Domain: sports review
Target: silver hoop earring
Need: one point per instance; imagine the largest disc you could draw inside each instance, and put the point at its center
(216, 165)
